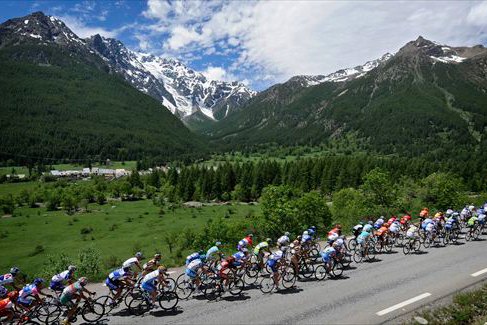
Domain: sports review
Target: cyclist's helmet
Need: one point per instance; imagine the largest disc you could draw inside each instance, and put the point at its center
(161, 269)
(370, 222)
(268, 240)
(13, 295)
(201, 252)
(305, 233)
(38, 281)
(218, 244)
(299, 238)
(250, 235)
(449, 212)
(471, 207)
(287, 234)
(14, 270)
(157, 256)
(71, 268)
(138, 255)
(313, 227)
(83, 281)
(339, 226)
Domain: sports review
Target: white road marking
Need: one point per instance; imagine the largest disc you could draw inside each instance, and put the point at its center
(479, 273)
(402, 304)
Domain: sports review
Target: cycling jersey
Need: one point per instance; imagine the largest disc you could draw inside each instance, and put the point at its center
(118, 274)
(193, 267)
(311, 232)
(338, 243)
(394, 228)
(362, 238)
(411, 233)
(70, 291)
(243, 243)
(380, 221)
(305, 238)
(150, 265)
(212, 253)
(151, 277)
(260, 247)
(391, 220)
(328, 253)
(333, 236)
(283, 240)
(130, 262)
(5, 304)
(61, 277)
(6, 278)
(273, 259)
(472, 221)
(192, 257)
(368, 228)
(29, 290)
(481, 218)
(382, 231)
(336, 231)
(430, 227)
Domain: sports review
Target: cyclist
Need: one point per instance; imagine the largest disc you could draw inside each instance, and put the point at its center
(9, 279)
(412, 231)
(379, 222)
(226, 264)
(151, 265)
(274, 262)
(74, 291)
(260, 250)
(284, 240)
(7, 305)
(58, 280)
(358, 229)
(247, 241)
(305, 240)
(117, 279)
(312, 231)
(133, 261)
(327, 255)
(431, 229)
(368, 227)
(296, 252)
(394, 228)
(338, 245)
(336, 230)
(147, 283)
(481, 216)
(34, 289)
(472, 221)
(193, 269)
(213, 252)
(195, 256)
(391, 220)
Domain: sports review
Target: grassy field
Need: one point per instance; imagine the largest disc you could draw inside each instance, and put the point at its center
(118, 229)
(16, 188)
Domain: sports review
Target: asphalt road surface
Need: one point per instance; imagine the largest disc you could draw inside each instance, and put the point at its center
(368, 293)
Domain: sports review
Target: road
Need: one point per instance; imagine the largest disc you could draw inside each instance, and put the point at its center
(368, 293)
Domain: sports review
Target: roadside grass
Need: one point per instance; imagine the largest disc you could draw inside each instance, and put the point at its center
(116, 229)
(466, 308)
(16, 188)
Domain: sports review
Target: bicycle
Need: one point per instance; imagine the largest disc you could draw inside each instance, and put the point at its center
(473, 232)
(287, 278)
(216, 287)
(332, 268)
(366, 252)
(91, 312)
(142, 301)
(412, 244)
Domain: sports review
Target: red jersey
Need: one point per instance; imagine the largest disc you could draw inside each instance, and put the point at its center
(249, 240)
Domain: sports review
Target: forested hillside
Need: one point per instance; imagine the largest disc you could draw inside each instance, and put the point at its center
(415, 103)
(54, 105)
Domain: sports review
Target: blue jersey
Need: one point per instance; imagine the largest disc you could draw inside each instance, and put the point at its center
(239, 256)
(212, 251)
(192, 257)
(118, 274)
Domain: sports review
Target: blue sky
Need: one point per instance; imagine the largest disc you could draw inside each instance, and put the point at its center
(265, 42)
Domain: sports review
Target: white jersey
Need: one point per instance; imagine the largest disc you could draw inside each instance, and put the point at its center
(283, 240)
(151, 276)
(338, 242)
(63, 276)
(430, 227)
(394, 228)
(276, 256)
(130, 262)
(195, 265)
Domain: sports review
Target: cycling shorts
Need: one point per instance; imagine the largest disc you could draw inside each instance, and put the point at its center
(56, 286)
(190, 273)
(148, 286)
(66, 300)
(112, 284)
(272, 265)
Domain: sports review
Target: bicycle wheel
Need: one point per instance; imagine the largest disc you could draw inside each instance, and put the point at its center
(468, 235)
(213, 290)
(92, 311)
(267, 284)
(134, 293)
(184, 287)
(169, 286)
(389, 244)
(358, 256)
(306, 270)
(406, 248)
(476, 234)
(138, 306)
(107, 302)
(337, 269)
(371, 252)
(352, 244)
(378, 247)
(427, 242)
(236, 286)
(416, 245)
(320, 272)
(48, 313)
(43, 311)
(288, 277)
(168, 300)
(446, 239)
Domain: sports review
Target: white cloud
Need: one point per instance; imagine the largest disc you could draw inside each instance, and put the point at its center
(280, 39)
(218, 73)
(79, 27)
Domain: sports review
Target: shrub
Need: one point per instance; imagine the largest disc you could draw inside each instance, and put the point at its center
(86, 230)
(37, 250)
(89, 262)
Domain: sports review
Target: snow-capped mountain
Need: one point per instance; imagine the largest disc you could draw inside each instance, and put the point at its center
(342, 74)
(179, 88)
